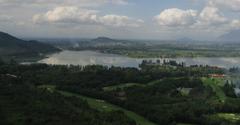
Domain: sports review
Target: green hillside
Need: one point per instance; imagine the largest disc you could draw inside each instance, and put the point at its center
(12, 47)
(23, 104)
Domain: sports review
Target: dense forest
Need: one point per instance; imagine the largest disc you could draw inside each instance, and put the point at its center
(164, 94)
(22, 103)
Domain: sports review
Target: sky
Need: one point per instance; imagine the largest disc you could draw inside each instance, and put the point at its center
(122, 19)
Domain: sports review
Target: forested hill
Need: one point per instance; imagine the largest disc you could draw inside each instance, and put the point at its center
(107, 42)
(11, 46)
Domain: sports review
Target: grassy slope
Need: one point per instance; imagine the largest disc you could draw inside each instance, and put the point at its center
(215, 84)
(101, 105)
(229, 116)
(127, 85)
(122, 86)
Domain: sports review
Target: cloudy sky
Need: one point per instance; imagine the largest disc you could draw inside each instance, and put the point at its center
(134, 19)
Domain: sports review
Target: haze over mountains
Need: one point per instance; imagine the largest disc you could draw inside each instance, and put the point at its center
(11, 46)
(233, 36)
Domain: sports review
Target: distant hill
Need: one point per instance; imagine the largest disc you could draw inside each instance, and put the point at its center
(11, 46)
(186, 39)
(233, 36)
(104, 41)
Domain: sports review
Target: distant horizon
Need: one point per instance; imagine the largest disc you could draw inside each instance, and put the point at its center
(82, 38)
(121, 19)
(143, 40)
(130, 39)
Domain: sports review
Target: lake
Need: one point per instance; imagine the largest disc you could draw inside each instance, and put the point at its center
(92, 57)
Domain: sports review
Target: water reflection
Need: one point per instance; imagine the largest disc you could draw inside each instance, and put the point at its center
(90, 58)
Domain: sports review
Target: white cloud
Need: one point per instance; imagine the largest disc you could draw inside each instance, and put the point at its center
(212, 16)
(63, 2)
(5, 18)
(235, 24)
(176, 17)
(209, 17)
(227, 4)
(97, 16)
(77, 16)
(67, 14)
(119, 21)
(119, 2)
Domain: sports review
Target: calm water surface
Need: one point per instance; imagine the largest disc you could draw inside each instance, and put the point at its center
(91, 58)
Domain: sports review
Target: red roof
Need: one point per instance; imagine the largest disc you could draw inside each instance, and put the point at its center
(217, 75)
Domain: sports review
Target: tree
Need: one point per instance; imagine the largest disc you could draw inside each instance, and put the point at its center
(1, 61)
(13, 62)
(229, 89)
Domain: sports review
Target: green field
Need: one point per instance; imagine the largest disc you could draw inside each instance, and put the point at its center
(122, 86)
(216, 85)
(102, 105)
(231, 117)
(154, 82)
(185, 91)
(127, 85)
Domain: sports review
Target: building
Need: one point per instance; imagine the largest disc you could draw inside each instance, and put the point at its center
(217, 75)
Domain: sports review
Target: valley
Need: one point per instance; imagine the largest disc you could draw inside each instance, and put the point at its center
(153, 49)
(119, 62)
(115, 89)
(175, 94)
